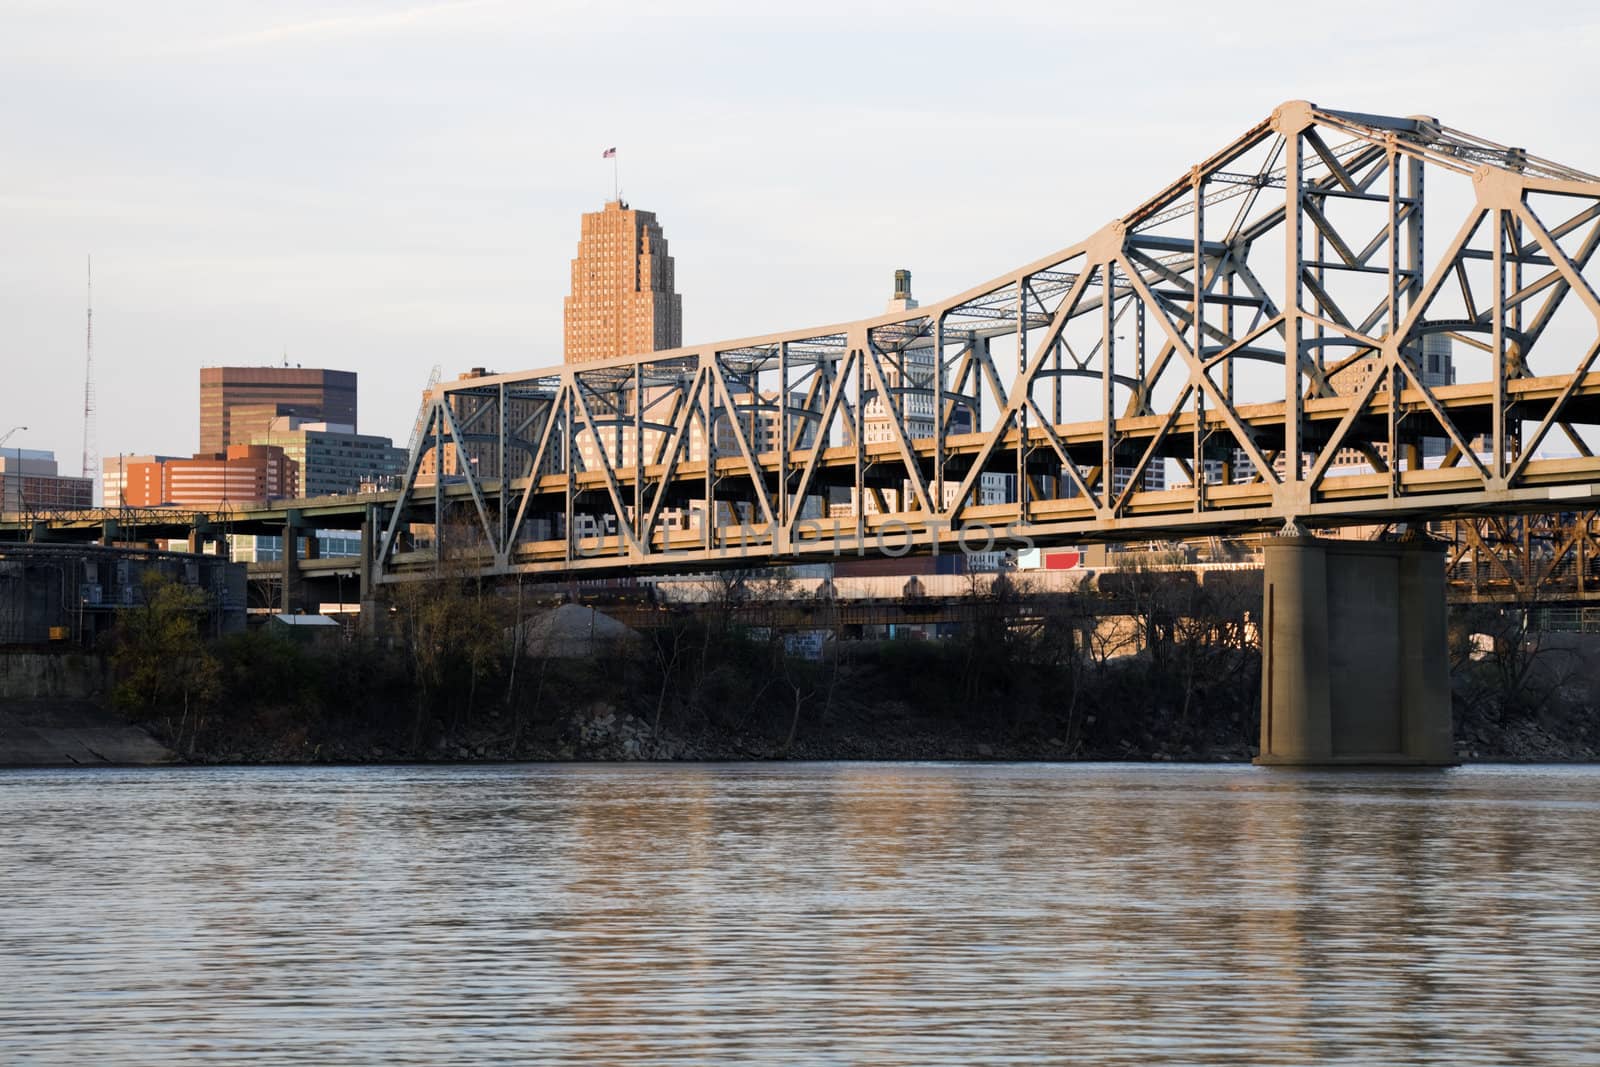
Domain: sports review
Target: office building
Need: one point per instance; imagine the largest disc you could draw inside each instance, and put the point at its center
(268, 548)
(910, 369)
(909, 376)
(238, 403)
(333, 458)
(30, 481)
(238, 476)
(622, 301)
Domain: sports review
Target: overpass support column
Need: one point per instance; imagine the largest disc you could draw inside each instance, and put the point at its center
(1354, 654)
(374, 607)
(204, 533)
(291, 563)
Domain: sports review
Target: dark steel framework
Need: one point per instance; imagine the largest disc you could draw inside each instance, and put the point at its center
(1551, 558)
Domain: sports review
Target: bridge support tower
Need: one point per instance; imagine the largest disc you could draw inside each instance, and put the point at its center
(293, 592)
(1355, 660)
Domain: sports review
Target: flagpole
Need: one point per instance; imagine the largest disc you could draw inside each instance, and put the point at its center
(616, 182)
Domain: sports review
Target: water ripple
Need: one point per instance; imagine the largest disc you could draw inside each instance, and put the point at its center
(802, 914)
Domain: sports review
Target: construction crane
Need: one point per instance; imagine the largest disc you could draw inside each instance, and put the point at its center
(416, 431)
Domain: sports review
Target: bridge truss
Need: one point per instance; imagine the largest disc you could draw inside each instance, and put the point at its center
(1259, 328)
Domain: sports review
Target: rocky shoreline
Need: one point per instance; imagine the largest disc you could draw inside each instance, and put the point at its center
(602, 734)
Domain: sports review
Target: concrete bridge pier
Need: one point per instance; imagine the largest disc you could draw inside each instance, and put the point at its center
(374, 606)
(202, 533)
(1354, 654)
(293, 594)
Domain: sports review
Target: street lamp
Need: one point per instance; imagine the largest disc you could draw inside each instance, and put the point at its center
(18, 474)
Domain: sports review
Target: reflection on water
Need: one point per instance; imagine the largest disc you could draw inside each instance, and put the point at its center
(803, 914)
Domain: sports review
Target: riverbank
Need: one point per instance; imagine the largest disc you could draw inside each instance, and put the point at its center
(49, 733)
(603, 734)
(78, 732)
(453, 682)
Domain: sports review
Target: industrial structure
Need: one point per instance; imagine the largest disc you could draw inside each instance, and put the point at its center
(68, 595)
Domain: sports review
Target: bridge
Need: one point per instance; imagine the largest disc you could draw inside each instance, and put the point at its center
(1258, 323)
(1262, 325)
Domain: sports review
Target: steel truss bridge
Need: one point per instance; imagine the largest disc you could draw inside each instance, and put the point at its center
(1259, 323)
(1260, 326)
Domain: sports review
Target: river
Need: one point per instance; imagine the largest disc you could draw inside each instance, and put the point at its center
(814, 914)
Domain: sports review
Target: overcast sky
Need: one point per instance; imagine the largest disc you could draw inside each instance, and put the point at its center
(381, 187)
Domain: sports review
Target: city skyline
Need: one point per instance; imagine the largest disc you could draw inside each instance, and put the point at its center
(436, 224)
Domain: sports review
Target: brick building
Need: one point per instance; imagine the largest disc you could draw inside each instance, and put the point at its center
(238, 475)
(114, 477)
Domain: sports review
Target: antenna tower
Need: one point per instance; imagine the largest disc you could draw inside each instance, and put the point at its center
(90, 459)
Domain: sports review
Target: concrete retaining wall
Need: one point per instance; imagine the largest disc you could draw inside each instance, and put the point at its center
(52, 713)
(66, 675)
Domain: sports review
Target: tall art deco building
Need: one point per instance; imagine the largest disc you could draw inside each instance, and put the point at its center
(622, 300)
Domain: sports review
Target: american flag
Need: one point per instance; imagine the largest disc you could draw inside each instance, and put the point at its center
(608, 153)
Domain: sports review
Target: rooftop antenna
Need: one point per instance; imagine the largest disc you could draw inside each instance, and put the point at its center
(90, 459)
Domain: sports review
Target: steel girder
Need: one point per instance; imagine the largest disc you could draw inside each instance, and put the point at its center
(1549, 558)
(1260, 325)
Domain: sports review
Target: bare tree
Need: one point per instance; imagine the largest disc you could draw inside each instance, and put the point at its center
(669, 643)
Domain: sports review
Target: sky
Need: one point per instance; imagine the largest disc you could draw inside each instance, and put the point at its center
(386, 187)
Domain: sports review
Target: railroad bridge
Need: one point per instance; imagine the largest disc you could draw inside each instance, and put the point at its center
(1259, 326)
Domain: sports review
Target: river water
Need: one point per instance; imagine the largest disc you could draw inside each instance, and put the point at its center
(800, 914)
